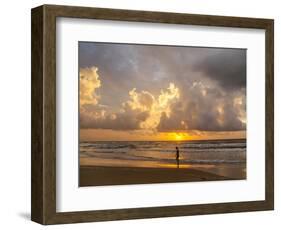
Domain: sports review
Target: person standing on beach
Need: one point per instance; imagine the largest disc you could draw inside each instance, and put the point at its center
(177, 156)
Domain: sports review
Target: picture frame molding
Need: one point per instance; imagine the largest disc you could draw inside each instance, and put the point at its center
(43, 114)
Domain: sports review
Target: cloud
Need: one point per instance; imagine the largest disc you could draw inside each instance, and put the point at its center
(154, 106)
(127, 119)
(89, 82)
(143, 101)
(161, 105)
(95, 115)
(162, 88)
(227, 68)
(141, 111)
(200, 107)
(206, 109)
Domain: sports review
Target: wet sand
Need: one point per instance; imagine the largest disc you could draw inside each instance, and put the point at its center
(99, 175)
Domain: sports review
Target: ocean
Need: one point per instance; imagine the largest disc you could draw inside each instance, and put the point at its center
(221, 157)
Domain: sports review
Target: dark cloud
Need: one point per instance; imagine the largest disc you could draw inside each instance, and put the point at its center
(228, 68)
(127, 119)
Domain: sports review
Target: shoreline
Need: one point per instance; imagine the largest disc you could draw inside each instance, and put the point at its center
(107, 175)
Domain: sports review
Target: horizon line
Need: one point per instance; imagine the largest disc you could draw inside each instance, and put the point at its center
(164, 140)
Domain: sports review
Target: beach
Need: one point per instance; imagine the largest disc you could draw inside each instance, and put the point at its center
(97, 175)
(132, 162)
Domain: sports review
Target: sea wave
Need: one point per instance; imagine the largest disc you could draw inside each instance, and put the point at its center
(230, 152)
(162, 145)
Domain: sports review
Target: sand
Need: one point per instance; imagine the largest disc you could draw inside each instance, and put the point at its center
(97, 175)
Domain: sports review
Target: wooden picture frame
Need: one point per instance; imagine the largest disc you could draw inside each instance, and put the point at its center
(43, 207)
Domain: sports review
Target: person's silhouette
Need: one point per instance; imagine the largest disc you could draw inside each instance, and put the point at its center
(177, 156)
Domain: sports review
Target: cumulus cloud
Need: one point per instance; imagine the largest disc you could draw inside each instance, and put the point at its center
(141, 111)
(161, 104)
(143, 100)
(206, 109)
(89, 82)
(162, 88)
(95, 115)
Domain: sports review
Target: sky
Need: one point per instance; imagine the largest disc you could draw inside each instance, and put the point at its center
(133, 92)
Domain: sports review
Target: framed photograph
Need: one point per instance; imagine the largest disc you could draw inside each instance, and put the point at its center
(141, 114)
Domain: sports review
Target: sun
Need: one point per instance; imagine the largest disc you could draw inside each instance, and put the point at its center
(178, 136)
